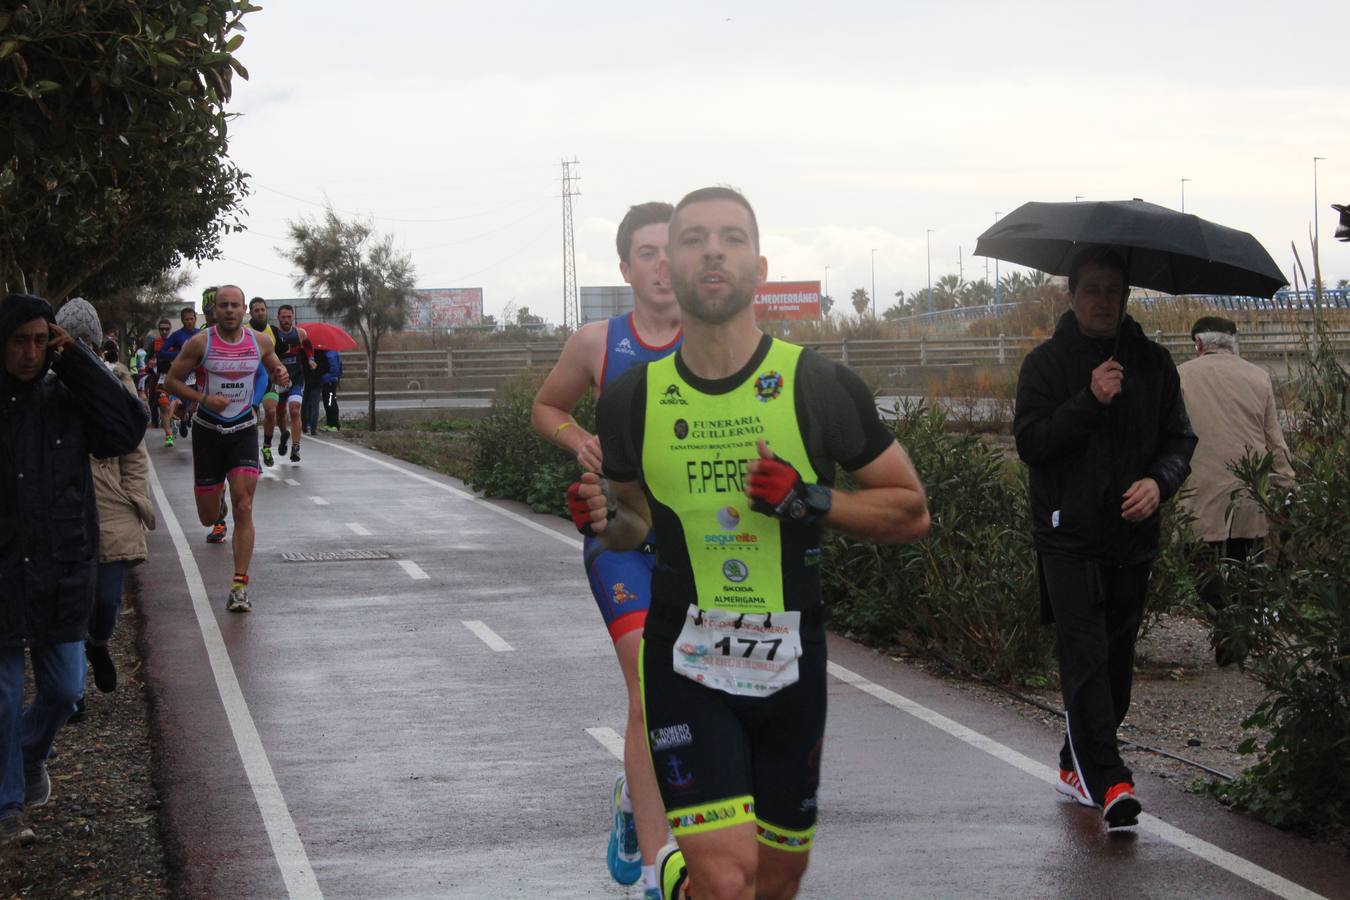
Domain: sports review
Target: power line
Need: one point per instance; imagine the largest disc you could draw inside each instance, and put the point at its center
(530, 215)
(240, 262)
(347, 212)
(510, 256)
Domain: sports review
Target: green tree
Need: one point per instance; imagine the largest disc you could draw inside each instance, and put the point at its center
(113, 163)
(977, 293)
(905, 305)
(860, 301)
(826, 304)
(135, 310)
(947, 292)
(524, 317)
(355, 276)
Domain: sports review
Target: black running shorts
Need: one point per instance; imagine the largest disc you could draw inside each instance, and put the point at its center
(722, 760)
(217, 457)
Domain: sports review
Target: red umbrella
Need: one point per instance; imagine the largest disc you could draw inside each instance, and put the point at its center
(329, 337)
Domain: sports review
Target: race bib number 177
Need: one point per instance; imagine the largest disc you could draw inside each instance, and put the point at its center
(751, 655)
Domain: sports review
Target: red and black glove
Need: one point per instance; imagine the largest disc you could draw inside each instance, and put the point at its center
(580, 510)
(774, 487)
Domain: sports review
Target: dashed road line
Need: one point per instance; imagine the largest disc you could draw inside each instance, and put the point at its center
(287, 848)
(488, 636)
(319, 501)
(413, 569)
(292, 482)
(570, 540)
(1242, 868)
(358, 528)
(609, 739)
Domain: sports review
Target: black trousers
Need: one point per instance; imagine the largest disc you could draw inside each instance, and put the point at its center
(1098, 609)
(330, 406)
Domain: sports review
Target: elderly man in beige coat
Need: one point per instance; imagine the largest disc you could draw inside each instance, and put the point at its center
(121, 485)
(1232, 407)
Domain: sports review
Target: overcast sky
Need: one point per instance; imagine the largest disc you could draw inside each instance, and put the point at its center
(849, 126)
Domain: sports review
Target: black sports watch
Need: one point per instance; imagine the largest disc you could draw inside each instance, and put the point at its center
(812, 506)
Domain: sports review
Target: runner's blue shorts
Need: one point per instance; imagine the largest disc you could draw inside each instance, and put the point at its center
(622, 584)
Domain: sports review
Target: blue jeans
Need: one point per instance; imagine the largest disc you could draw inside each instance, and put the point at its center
(26, 735)
(107, 601)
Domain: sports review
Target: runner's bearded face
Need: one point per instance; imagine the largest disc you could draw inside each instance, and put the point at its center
(229, 311)
(257, 316)
(715, 268)
(285, 319)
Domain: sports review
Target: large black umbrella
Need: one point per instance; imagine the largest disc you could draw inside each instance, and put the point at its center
(1165, 250)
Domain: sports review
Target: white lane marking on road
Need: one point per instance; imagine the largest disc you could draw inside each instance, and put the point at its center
(292, 482)
(413, 569)
(464, 495)
(287, 847)
(488, 636)
(319, 501)
(1242, 868)
(358, 528)
(609, 739)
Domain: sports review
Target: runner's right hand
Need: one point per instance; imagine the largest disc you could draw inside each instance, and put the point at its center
(589, 504)
(216, 402)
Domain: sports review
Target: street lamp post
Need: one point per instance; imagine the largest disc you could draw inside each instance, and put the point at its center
(1316, 233)
(1077, 197)
(998, 288)
(929, 237)
(874, 282)
(1183, 193)
(827, 281)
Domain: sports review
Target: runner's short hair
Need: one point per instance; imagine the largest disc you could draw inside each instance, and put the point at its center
(164, 321)
(257, 300)
(183, 313)
(283, 307)
(721, 192)
(1099, 255)
(640, 216)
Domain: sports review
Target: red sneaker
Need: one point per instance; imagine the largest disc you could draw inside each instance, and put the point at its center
(1121, 808)
(217, 534)
(1070, 785)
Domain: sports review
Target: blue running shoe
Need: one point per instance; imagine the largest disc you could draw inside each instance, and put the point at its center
(624, 858)
(652, 894)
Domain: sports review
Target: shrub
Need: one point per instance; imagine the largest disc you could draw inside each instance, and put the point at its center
(510, 460)
(969, 590)
(1292, 616)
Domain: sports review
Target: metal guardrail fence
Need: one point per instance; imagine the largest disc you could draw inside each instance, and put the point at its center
(497, 363)
(1332, 298)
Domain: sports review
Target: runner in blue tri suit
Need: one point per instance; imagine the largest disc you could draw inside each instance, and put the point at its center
(290, 340)
(621, 582)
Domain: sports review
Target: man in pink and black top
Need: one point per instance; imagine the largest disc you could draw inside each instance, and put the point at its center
(225, 432)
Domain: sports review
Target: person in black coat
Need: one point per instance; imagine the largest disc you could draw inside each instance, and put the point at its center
(1101, 423)
(58, 405)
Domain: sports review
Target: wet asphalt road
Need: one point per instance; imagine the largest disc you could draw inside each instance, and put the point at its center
(354, 737)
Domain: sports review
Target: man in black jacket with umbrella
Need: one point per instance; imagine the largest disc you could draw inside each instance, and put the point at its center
(1101, 423)
(50, 422)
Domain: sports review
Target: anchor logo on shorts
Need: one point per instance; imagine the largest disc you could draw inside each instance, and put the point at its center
(677, 777)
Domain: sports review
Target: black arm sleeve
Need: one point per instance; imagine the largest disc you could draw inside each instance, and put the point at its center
(113, 418)
(1172, 463)
(619, 419)
(1045, 428)
(842, 424)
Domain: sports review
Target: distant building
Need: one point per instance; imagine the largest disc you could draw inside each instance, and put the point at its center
(599, 303)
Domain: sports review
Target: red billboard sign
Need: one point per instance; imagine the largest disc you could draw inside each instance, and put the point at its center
(780, 301)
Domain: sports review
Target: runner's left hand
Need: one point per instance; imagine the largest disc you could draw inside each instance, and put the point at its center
(216, 402)
(773, 484)
(589, 456)
(280, 376)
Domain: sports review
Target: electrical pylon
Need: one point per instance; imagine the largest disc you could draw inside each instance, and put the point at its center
(571, 310)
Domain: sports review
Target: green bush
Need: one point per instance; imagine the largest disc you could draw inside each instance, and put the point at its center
(510, 460)
(969, 590)
(1291, 613)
